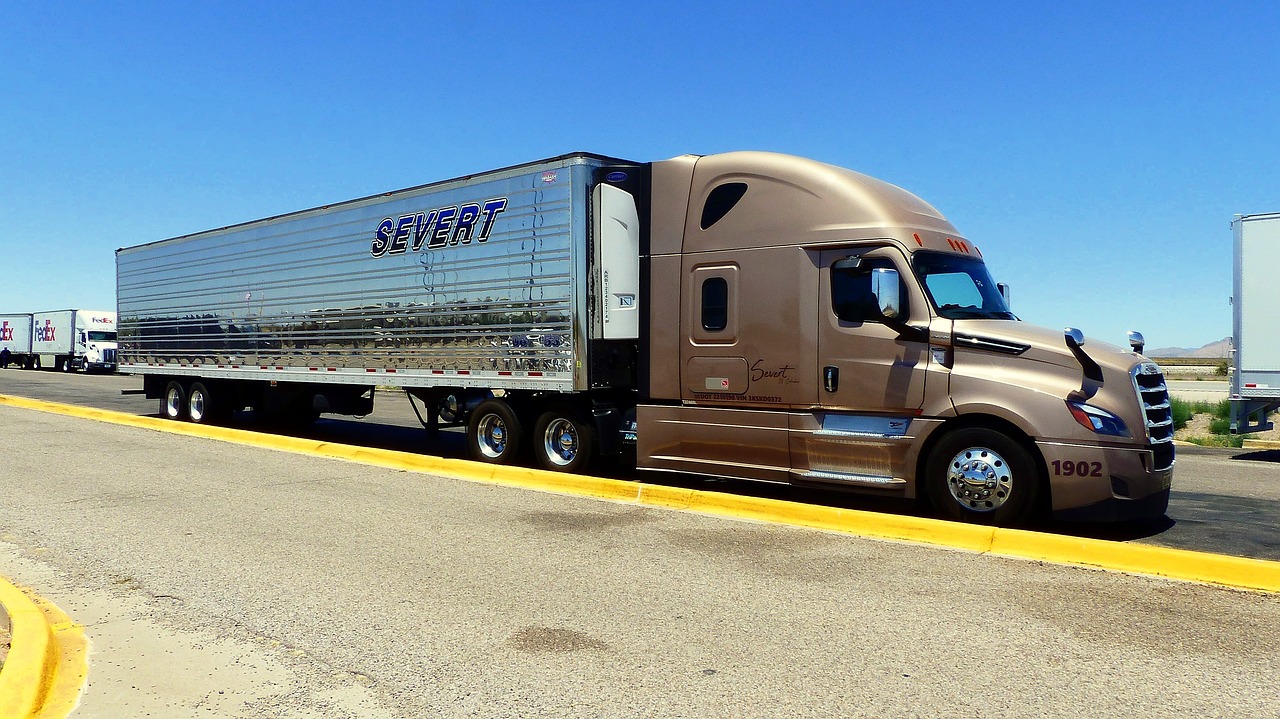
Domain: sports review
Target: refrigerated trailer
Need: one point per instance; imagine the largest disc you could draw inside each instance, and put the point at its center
(748, 314)
(1255, 381)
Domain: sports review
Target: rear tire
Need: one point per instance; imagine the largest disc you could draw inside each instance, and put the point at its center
(563, 441)
(173, 404)
(202, 407)
(494, 433)
(981, 476)
(66, 365)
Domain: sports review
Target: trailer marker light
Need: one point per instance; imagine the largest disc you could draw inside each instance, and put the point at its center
(390, 371)
(1251, 385)
(279, 367)
(332, 369)
(370, 369)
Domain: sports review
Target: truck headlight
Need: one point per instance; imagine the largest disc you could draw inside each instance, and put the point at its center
(1097, 420)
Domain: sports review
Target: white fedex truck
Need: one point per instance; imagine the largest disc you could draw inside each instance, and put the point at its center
(69, 340)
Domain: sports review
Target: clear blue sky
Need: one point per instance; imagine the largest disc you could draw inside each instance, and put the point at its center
(1095, 151)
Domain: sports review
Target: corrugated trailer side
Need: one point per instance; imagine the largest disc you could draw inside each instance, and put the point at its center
(504, 300)
(475, 282)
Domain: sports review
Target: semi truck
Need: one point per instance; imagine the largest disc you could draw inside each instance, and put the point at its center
(15, 341)
(70, 340)
(1255, 380)
(748, 315)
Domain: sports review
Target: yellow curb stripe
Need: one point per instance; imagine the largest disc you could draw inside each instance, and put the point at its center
(1236, 572)
(47, 666)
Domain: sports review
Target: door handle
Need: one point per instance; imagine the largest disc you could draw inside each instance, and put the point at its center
(831, 378)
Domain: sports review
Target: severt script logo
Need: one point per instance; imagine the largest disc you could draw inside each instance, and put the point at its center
(441, 227)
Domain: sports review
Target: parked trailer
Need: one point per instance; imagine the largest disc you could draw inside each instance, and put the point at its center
(15, 341)
(749, 315)
(1255, 383)
(69, 340)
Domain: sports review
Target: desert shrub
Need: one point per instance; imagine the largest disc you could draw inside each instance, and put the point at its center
(1182, 411)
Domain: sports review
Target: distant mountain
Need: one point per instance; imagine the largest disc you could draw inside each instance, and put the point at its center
(1213, 350)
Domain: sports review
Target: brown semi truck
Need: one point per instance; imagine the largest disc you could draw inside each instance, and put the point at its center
(748, 315)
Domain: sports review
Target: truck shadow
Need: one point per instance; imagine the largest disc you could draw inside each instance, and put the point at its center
(1205, 523)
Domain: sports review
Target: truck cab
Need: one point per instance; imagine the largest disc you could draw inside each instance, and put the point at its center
(812, 325)
(95, 349)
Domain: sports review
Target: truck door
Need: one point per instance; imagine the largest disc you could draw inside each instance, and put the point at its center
(871, 373)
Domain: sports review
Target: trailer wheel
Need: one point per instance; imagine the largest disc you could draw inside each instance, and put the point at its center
(493, 433)
(982, 476)
(66, 365)
(202, 408)
(173, 405)
(563, 441)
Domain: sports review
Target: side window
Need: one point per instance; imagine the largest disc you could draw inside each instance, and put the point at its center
(851, 296)
(715, 304)
(720, 201)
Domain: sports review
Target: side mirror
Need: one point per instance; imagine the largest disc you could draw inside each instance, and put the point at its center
(884, 285)
(1006, 294)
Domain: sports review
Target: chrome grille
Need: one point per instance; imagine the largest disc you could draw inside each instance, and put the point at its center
(1153, 394)
(108, 356)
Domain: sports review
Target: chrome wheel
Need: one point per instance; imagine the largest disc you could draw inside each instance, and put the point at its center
(979, 479)
(560, 442)
(196, 406)
(174, 403)
(492, 436)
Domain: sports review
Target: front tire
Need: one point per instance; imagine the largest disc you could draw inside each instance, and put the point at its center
(981, 476)
(563, 441)
(494, 433)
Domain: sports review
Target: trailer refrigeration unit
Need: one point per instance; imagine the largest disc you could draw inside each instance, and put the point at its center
(1255, 383)
(68, 340)
(15, 341)
(749, 315)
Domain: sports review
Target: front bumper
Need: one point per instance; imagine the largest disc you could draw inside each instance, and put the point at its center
(1108, 484)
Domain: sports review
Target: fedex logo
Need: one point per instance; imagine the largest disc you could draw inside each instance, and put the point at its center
(102, 320)
(6, 332)
(45, 333)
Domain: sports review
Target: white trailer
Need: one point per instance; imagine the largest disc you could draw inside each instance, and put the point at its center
(1255, 384)
(69, 340)
(15, 340)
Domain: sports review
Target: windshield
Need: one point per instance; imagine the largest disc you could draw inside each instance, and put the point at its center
(960, 287)
(102, 336)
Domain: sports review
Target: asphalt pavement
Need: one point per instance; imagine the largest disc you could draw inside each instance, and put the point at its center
(223, 580)
(1225, 501)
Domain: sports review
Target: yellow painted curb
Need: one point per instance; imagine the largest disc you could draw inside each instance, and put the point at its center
(1261, 444)
(1181, 564)
(47, 666)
